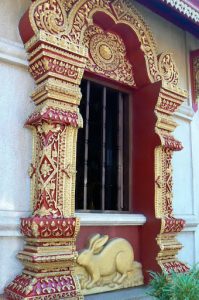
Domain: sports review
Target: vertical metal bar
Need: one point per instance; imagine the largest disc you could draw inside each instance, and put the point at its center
(86, 144)
(120, 199)
(130, 151)
(103, 148)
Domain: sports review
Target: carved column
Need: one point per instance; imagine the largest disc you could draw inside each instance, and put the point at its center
(50, 233)
(169, 100)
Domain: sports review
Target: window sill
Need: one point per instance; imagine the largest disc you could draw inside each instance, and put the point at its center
(10, 221)
(108, 219)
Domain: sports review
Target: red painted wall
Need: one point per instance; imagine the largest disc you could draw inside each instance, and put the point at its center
(143, 180)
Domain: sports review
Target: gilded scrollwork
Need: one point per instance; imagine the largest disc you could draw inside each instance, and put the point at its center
(127, 14)
(68, 5)
(124, 13)
(168, 68)
(48, 15)
(168, 102)
(50, 254)
(80, 18)
(104, 60)
(196, 77)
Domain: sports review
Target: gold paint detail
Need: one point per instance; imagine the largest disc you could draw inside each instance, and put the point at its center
(49, 15)
(71, 27)
(127, 14)
(169, 100)
(196, 77)
(107, 264)
(105, 52)
(60, 45)
(50, 233)
(58, 56)
(168, 68)
(104, 59)
(164, 183)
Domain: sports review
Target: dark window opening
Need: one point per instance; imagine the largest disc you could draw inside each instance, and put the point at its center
(102, 182)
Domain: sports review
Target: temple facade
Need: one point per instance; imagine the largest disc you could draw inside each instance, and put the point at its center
(99, 148)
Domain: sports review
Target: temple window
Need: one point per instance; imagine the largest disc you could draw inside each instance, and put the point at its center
(103, 162)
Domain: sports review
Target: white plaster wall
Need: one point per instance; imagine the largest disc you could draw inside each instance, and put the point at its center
(187, 254)
(15, 150)
(10, 265)
(11, 12)
(186, 183)
(15, 157)
(15, 147)
(182, 171)
(16, 141)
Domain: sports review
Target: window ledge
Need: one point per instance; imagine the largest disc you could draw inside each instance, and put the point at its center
(108, 219)
(10, 221)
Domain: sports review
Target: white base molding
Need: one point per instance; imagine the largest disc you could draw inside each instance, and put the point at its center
(13, 52)
(10, 220)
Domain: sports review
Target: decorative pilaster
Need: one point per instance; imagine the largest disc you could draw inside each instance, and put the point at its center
(170, 98)
(50, 233)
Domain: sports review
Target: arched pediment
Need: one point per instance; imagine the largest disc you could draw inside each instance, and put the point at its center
(71, 19)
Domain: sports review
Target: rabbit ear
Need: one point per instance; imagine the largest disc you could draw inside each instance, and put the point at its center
(99, 243)
(92, 240)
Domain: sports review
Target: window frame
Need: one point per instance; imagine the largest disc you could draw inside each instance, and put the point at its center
(127, 90)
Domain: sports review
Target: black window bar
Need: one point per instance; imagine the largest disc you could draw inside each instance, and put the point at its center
(102, 182)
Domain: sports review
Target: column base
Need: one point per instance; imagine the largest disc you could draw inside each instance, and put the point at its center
(25, 287)
(48, 257)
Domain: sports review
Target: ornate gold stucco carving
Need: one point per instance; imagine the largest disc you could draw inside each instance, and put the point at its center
(80, 17)
(49, 254)
(49, 16)
(168, 68)
(57, 60)
(196, 77)
(169, 100)
(107, 265)
(104, 60)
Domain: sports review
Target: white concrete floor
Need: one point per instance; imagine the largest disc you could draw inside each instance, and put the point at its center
(139, 293)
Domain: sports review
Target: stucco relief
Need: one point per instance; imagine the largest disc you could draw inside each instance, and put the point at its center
(57, 59)
(104, 60)
(196, 77)
(168, 68)
(81, 15)
(107, 264)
